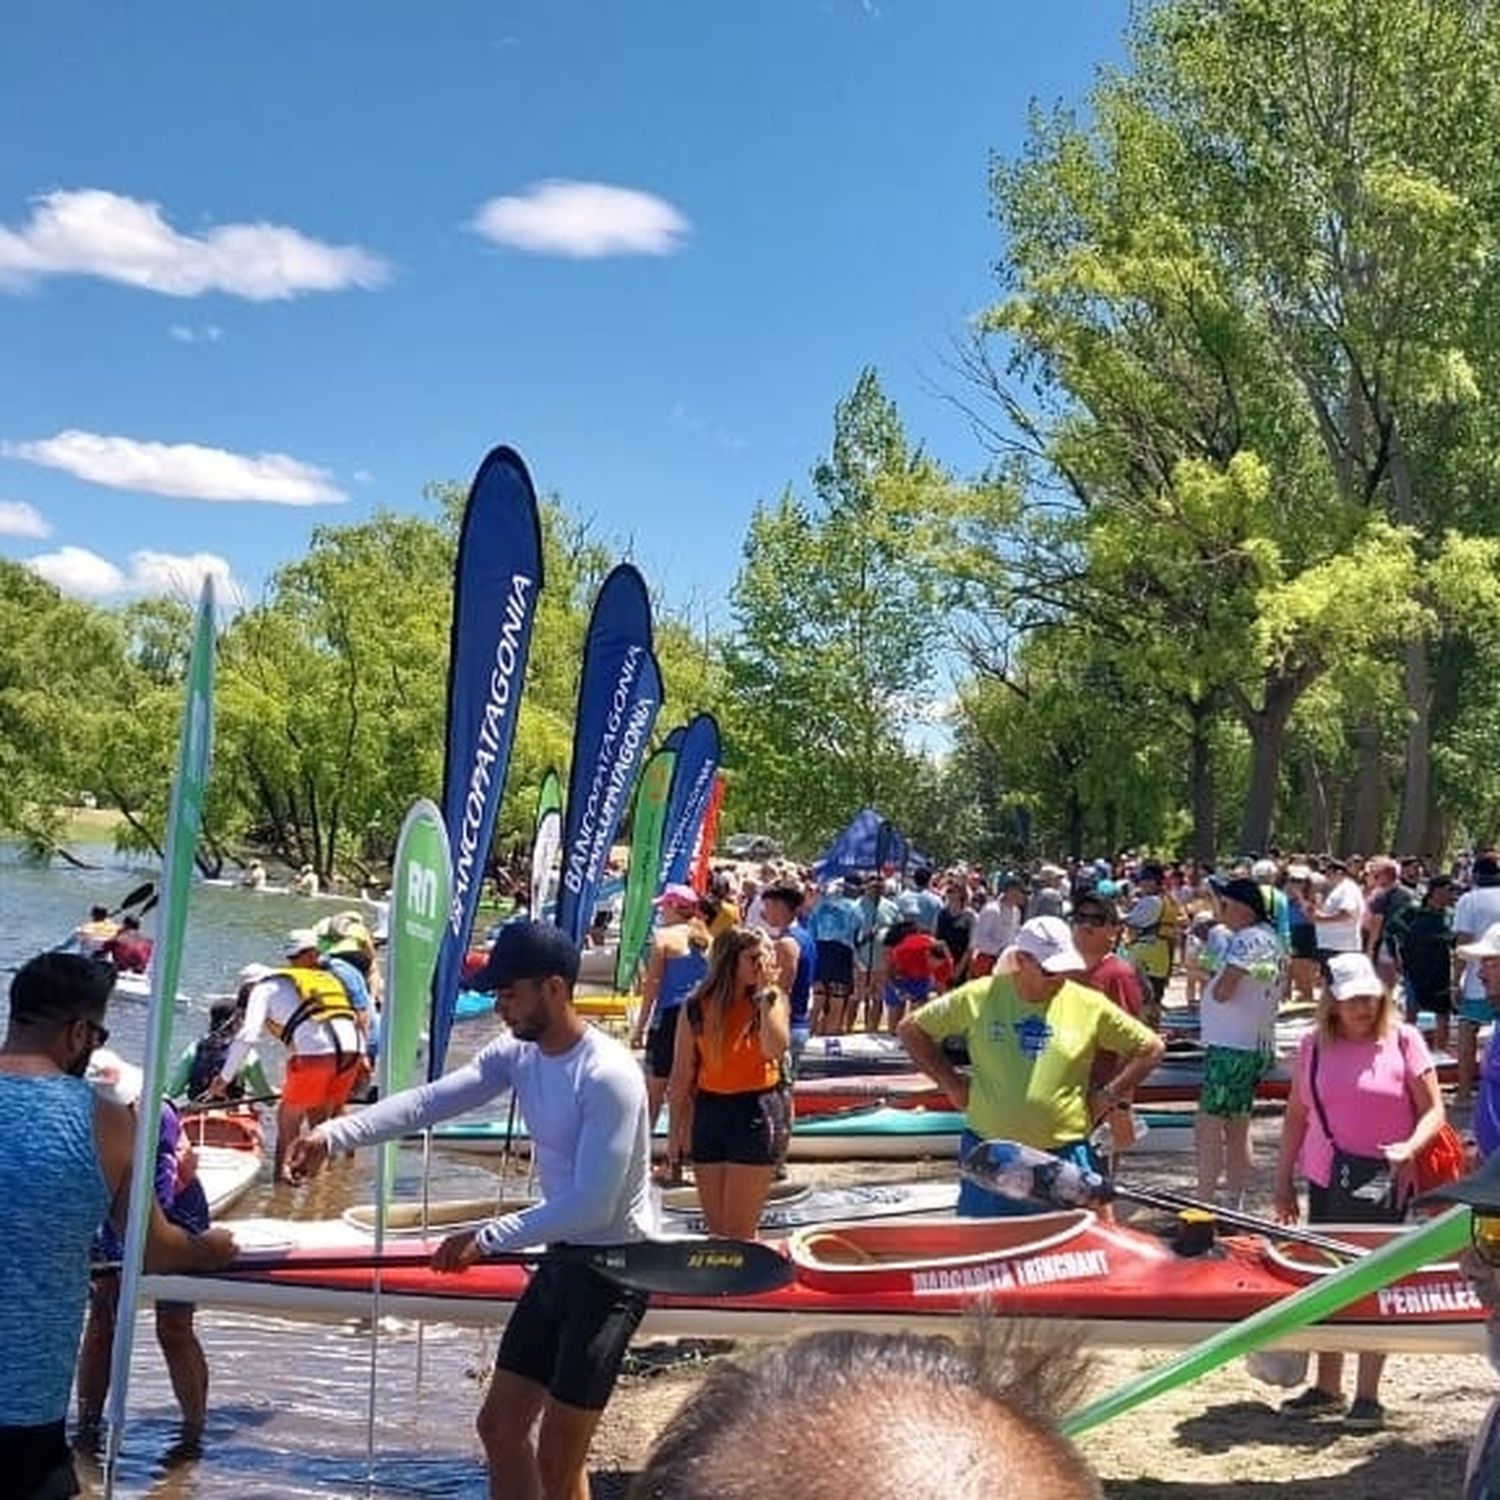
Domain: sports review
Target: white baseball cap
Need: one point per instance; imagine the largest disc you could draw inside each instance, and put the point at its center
(114, 1078)
(299, 940)
(1050, 942)
(254, 973)
(1487, 946)
(1351, 975)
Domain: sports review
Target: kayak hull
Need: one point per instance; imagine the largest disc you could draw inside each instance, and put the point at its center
(1108, 1284)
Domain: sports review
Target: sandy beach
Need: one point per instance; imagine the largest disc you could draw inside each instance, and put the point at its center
(1221, 1437)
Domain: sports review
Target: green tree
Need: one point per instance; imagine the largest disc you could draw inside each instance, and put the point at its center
(832, 654)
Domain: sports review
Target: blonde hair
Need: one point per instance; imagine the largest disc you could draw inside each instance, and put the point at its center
(1328, 1024)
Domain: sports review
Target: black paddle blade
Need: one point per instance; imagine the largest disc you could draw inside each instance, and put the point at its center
(688, 1268)
(139, 894)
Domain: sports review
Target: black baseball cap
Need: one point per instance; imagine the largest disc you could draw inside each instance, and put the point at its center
(1246, 892)
(528, 950)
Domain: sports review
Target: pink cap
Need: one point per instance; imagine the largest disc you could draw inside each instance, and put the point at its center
(677, 895)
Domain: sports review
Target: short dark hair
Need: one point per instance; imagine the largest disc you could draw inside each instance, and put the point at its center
(56, 989)
(130, 922)
(98, 914)
(921, 877)
(952, 1423)
(785, 891)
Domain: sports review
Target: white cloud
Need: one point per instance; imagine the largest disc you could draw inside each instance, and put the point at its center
(92, 232)
(584, 220)
(86, 575)
(185, 471)
(17, 518)
(196, 333)
(77, 571)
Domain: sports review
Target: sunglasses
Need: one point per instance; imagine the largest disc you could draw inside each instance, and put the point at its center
(1484, 1236)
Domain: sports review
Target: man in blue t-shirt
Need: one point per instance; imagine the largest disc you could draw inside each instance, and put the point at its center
(833, 924)
(920, 905)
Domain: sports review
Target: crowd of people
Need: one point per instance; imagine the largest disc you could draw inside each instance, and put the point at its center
(1057, 982)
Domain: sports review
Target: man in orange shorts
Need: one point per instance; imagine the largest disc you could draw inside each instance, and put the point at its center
(305, 1007)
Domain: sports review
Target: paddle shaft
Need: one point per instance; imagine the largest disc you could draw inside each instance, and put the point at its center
(1171, 1200)
(717, 1267)
(210, 1106)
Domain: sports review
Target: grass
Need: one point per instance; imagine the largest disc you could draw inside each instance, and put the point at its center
(90, 825)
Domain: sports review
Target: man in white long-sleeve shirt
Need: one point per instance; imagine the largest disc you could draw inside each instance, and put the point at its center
(584, 1103)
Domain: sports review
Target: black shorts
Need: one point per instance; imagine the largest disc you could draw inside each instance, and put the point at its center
(1305, 941)
(569, 1332)
(1439, 999)
(741, 1130)
(661, 1045)
(37, 1462)
(835, 969)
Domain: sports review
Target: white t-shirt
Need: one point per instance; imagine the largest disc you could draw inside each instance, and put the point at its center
(1348, 901)
(995, 928)
(1476, 912)
(1245, 1021)
(276, 1000)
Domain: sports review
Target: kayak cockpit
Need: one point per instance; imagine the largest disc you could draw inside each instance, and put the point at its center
(939, 1244)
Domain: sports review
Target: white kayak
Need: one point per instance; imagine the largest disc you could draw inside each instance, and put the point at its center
(227, 1174)
(789, 1205)
(138, 987)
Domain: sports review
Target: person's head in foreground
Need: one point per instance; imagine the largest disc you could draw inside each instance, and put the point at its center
(57, 1005)
(878, 1417)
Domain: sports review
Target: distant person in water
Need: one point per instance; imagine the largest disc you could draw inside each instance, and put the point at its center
(129, 950)
(254, 878)
(306, 883)
(198, 1063)
(92, 937)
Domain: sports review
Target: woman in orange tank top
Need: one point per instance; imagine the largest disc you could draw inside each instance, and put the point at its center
(729, 1107)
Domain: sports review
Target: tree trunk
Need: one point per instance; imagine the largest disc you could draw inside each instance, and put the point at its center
(1414, 823)
(1413, 832)
(1319, 812)
(1363, 833)
(1201, 782)
(1075, 824)
(1267, 730)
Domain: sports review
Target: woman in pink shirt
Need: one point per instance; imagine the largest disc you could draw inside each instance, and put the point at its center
(1365, 1084)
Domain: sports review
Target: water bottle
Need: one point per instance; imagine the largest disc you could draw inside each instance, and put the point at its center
(1011, 1170)
(1103, 1137)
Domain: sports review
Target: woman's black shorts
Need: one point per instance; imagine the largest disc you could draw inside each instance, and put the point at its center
(661, 1045)
(742, 1130)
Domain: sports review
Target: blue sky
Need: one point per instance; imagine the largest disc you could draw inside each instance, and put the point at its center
(265, 266)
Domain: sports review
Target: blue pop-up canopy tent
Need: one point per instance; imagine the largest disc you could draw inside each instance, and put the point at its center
(860, 848)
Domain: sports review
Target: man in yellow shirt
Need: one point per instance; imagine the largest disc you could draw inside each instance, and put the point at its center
(1032, 1032)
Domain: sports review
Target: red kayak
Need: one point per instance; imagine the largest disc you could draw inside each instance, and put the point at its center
(1109, 1283)
(825, 1096)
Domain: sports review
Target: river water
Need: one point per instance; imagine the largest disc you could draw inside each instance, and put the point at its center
(288, 1401)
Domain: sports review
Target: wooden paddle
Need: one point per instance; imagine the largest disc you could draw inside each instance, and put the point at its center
(688, 1267)
(997, 1167)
